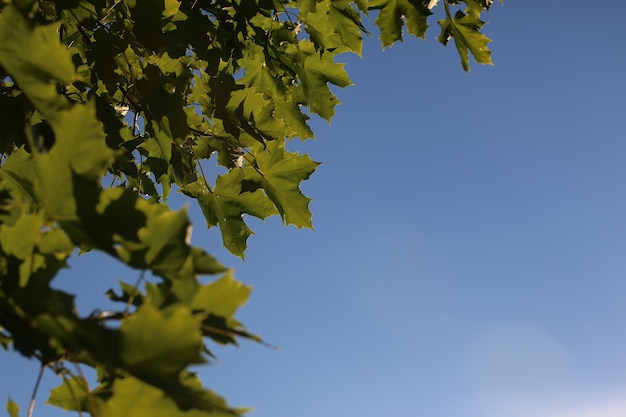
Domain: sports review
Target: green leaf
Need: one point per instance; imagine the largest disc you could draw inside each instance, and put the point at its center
(203, 263)
(259, 111)
(19, 240)
(222, 297)
(333, 25)
(261, 77)
(72, 395)
(395, 13)
(225, 206)
(134, 398)
(79, 148)
(56, 242)
(36, 59)
(12, 408)
(465, 30)
(165, 236)
(279, 173)
(18, 173)
(316, 74)
(141, 345)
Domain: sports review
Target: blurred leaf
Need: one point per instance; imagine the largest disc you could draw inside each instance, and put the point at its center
(72, 395)
(18, 173)
(36, 58)
(134, 398)
(19, 240)
(142, 334)
(12, 408)
(222, 297)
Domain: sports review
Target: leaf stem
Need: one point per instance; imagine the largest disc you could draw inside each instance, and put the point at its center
(90, 397)
(131, 299)
(446, 6)
(195, 156)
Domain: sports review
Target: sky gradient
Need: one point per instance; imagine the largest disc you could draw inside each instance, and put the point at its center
(468, 258)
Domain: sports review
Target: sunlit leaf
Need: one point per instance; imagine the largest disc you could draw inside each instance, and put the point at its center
(279, 173)
(222, 297)
(225, 206)
(36, 58)
(142, 336)
(72, 395)
(134, 398)
(394, 14)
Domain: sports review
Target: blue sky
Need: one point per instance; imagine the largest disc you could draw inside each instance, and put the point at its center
(470, 231)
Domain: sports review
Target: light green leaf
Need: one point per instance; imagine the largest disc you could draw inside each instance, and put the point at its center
(279, 173)
(260, 76)
(395, 13)
(333, 25)
(134, 398)
(318, 71)
(142, 342)
(72, 395)
(222, 297)
(165, 234)
(258, 110)
(79, 148)
(36, 59)
(55, 241)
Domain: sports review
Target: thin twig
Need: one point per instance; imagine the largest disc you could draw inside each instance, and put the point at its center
(131, 299)
(74, 398)
(31, 406)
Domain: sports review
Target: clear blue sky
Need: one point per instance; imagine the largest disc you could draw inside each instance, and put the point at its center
(469, 252)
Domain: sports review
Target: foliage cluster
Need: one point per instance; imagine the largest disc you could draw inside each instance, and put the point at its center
(149, 96)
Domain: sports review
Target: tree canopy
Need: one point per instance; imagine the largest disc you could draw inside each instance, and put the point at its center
(107, 106)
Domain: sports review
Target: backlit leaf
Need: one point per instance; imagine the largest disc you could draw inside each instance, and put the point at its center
(134, 398)
(279, 173)
(464, 29)
(222, 297)
(225, 206)
(395, 13)
(36, 58)
(142, 348)
(72, 395)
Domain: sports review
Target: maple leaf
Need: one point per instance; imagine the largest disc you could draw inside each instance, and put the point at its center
(395, 13)
(225, 205)
(464, 28)
(333, 25)
(279, 173)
